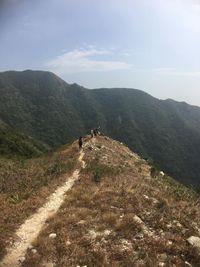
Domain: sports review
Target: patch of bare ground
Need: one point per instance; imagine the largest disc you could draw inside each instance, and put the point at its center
(124, 218)
(25, 186)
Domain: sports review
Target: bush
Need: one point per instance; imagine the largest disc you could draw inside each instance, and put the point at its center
(97, 176)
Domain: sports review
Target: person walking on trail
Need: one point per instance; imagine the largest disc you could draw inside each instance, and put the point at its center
(80, 142)
(92, 133)
(95, 132)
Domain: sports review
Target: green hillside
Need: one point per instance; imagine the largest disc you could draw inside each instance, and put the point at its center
(43, 106)
(14, 145)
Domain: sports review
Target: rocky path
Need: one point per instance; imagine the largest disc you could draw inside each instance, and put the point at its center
(31, 228)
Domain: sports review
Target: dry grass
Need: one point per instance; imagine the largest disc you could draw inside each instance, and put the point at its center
(96, 226)
(25, 185)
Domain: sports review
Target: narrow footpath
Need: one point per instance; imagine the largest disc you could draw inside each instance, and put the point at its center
(31, 228)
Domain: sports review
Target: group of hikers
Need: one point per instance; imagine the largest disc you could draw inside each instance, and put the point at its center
(94, 132)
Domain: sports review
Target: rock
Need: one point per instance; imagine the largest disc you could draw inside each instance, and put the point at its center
(162, 173)
(52, 235)
(169, 242)
(154, 200)
(126, 245)
(138, 220)
(188, 264)
(163, 257)
(139, 236)
(48, 264)
(107, 232)
(68, 243)
(144, 228)
(93, 234)
(81, 222)
(183, 231)
(194, 241)
(34, 251)
(112, 207)
(179, 225)
(161, 264)
(22, 259)
(169, 226)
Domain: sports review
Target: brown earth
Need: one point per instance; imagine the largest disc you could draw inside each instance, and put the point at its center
(121, 214)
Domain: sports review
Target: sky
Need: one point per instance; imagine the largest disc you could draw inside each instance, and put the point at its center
(152, 45)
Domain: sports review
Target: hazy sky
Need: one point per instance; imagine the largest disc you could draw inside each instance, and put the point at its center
(152, 45)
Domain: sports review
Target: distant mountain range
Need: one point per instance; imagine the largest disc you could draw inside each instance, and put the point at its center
(43, 106)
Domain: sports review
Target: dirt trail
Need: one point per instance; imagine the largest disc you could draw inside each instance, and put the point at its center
(30, 229)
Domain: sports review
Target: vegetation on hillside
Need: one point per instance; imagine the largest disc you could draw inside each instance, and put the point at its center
(126, 219)
(43, 106)
(13, 144)
(25, 185)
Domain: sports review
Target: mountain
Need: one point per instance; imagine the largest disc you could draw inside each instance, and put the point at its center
(99, 206)
(45, 107)
(13, 144)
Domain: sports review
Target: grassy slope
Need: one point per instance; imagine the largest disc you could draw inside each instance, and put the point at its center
(13, 144)
(96, 226)
(25, 185)
(45, 107)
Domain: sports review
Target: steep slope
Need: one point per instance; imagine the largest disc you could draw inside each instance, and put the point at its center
(29, 230)
(25, 185)
(42, 105)
(13, 144)
(118, 213)
(37, 103)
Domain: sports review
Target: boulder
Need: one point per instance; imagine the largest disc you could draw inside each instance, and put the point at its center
(194, 241)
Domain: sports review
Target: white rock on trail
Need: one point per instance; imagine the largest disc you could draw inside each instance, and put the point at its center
(194, 241)
(81, 222)
(188, 264)
(22, 259)
(52, 235)
(34, 251)
(145, 229)
(162, 173)
(68, 243)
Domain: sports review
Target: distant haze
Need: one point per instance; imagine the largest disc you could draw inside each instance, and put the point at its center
(149, 45)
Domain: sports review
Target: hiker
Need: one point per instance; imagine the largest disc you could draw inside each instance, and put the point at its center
(95, 131)
(98, 130)
(80, 142)
(92, 133)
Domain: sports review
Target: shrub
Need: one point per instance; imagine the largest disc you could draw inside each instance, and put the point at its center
(97, 175)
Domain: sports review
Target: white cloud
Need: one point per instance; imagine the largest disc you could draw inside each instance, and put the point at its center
(83, 60)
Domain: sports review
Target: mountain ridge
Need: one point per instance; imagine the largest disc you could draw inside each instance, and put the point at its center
(117, 211)
(54, 112)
